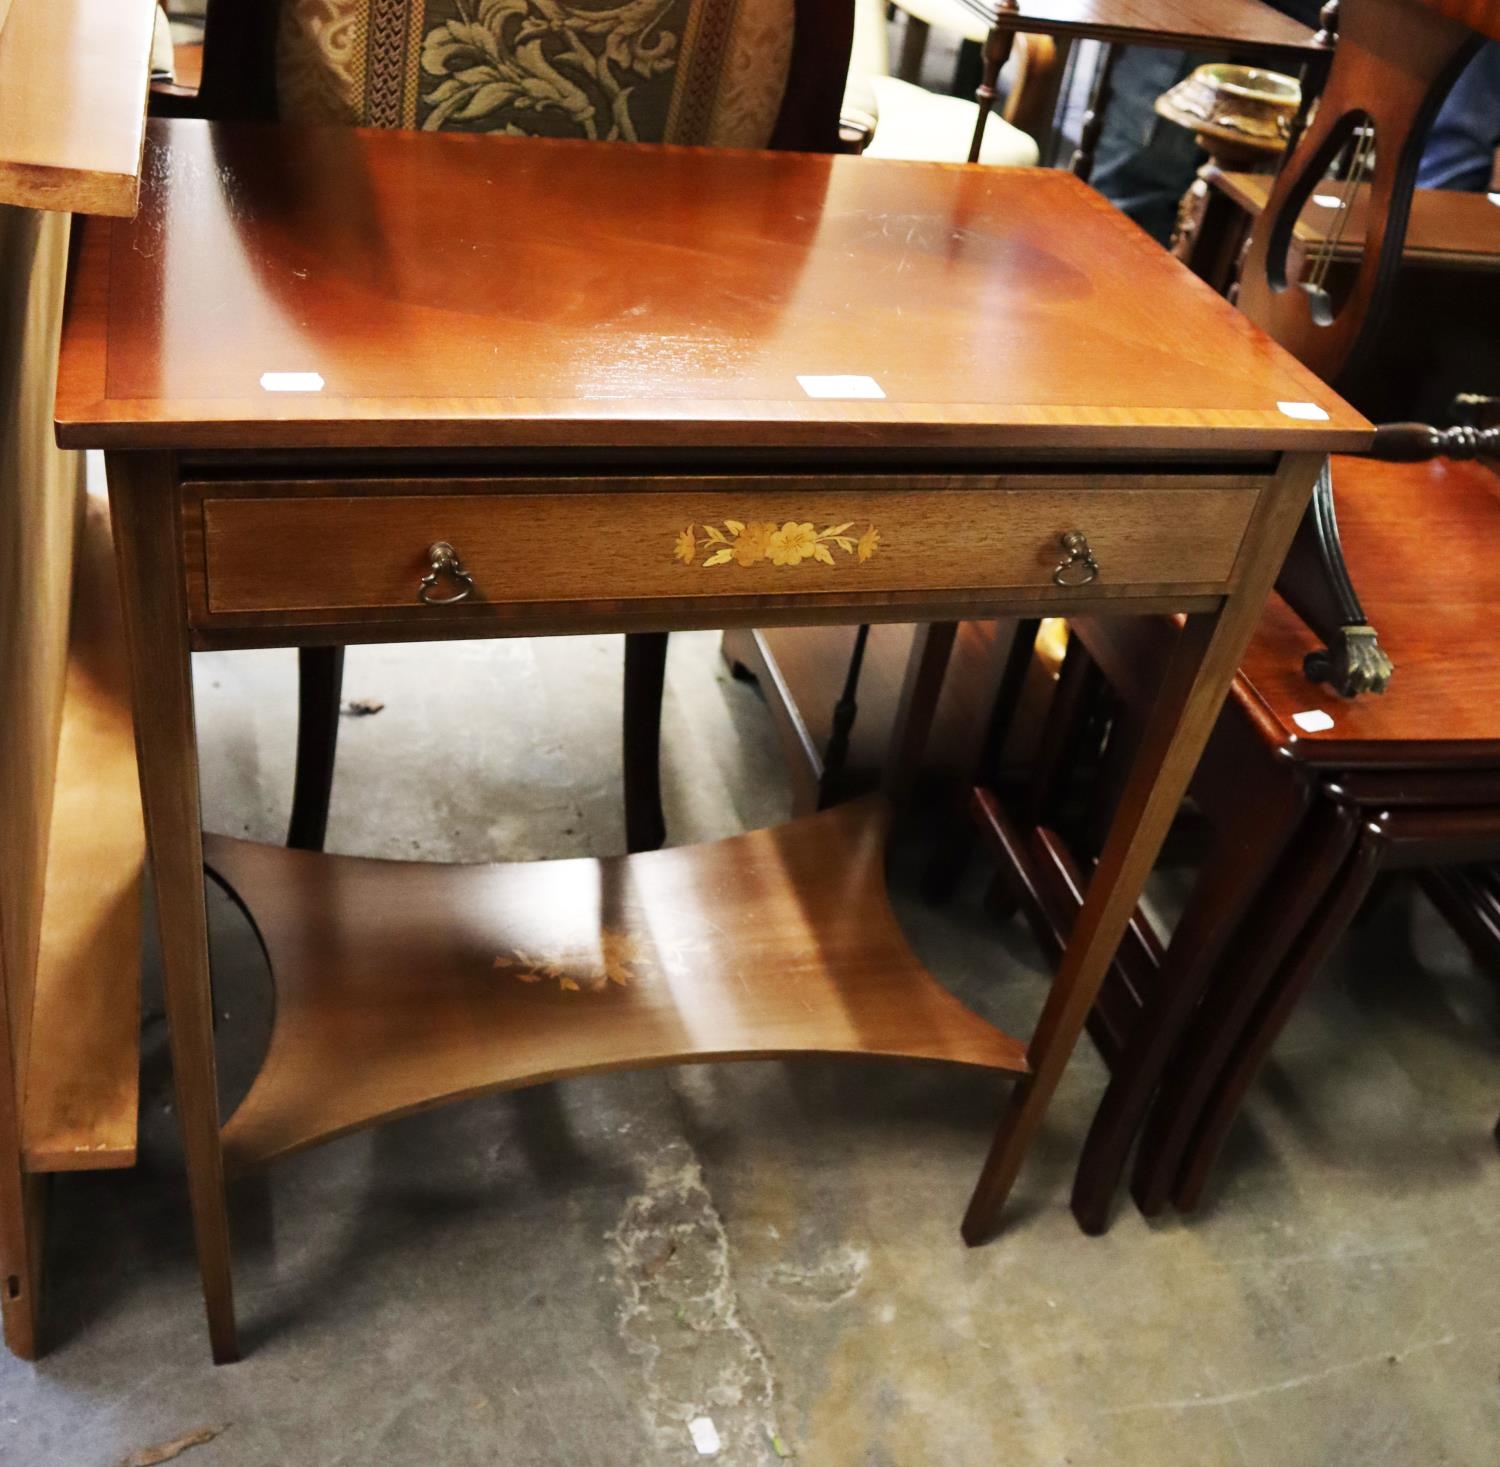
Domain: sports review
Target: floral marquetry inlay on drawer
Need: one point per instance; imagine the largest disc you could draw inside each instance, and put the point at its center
(787, 544)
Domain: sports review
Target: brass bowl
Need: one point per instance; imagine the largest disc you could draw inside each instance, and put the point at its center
(1246, 105)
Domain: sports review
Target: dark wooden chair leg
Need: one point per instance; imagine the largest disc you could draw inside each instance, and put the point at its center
(1093, 119)
(645, 683)
(1284, 905)
(845, 711)
(1469, 897)
(956, 846)
(320, 690)
(1063, 743)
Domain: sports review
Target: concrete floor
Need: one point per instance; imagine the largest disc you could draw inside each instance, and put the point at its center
(569, 1276)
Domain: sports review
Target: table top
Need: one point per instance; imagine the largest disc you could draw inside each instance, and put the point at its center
(73, 81)
(417, 290)
(1248, 27)
(1448, 229)
(1420, 541)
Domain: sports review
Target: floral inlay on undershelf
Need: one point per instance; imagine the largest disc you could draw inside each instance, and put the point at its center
(614, 962)
(787, 544)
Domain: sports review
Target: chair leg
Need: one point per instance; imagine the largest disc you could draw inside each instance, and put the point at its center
(913, 49)
(1202, 662)
(951, 858)
(1093, 119)
(320, 673)
(645, 683)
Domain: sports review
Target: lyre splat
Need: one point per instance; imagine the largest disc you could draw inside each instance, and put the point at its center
(1394, 63)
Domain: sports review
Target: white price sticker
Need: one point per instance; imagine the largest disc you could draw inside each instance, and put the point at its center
(291, 382)
(1313, 721)
(1306, 412)
(705, 1436)
(847, 387)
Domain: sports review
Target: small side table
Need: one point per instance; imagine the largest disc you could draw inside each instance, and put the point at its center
(438, 429)
(1248, 29)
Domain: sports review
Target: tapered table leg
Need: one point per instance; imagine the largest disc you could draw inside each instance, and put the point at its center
(1197, 677)
(148, 549)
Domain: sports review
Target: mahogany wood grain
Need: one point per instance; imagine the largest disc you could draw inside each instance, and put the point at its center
(81, 1095)
(534, 972)
(1246, 27)
(379, 261)
(149, 555)
(1182, 1029)
(1202, 663)
(531, 541)
(1431, 744)
(390, 265)
(1433, 594)
(73, 79)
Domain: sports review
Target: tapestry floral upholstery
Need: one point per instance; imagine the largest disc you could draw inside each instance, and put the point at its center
(679, 71)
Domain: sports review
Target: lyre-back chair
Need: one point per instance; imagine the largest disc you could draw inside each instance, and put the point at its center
(1394, 62)
(720, 73)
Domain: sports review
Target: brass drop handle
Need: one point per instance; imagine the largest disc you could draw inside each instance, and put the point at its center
(1080, 567)
(444, 561)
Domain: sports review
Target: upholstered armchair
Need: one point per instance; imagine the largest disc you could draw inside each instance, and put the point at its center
(720, 73)
(906, 121)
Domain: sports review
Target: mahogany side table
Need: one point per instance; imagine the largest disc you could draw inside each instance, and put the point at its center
(365, 387)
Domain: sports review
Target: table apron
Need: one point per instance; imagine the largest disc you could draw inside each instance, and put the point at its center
(532, 556)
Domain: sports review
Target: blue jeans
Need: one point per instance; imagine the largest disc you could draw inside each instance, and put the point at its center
(1145, 164)
(1460, 151)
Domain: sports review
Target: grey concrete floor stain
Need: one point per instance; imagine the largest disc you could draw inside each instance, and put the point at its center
(680, 1316)
(499, 1282)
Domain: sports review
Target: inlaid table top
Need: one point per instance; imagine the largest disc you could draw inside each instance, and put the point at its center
(351, 289)
(1247, 26)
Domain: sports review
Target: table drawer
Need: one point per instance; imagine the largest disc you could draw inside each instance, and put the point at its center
(323, 548)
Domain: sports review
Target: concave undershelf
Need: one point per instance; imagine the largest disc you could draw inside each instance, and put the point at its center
(400, 985)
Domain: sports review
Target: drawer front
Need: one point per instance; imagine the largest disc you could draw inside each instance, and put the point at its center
(368, 551)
